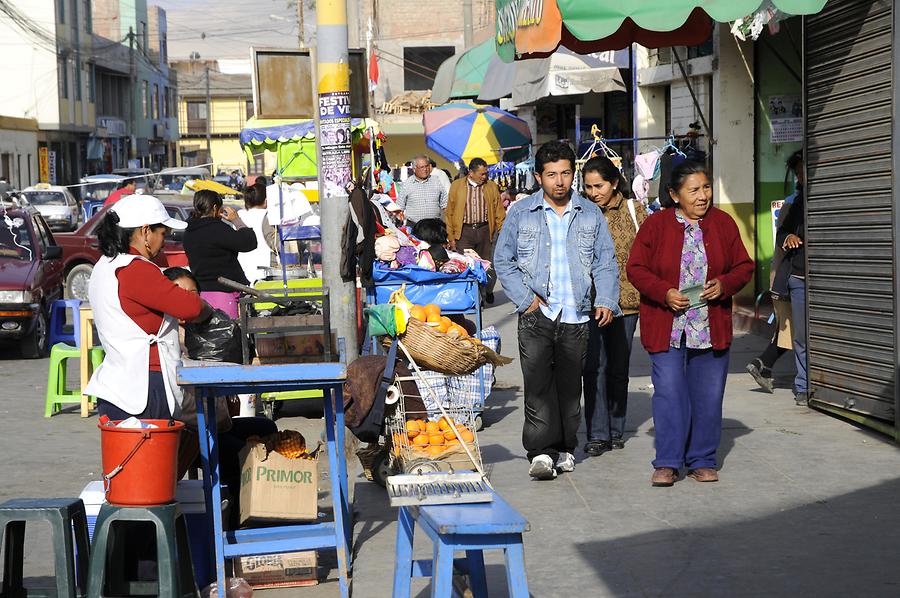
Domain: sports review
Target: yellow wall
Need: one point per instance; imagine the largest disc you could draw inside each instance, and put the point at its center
(400, 149)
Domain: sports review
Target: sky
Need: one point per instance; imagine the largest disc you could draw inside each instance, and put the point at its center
(231, 26)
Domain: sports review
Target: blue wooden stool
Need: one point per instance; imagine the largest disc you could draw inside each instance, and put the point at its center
(472, 528)
(60, 311)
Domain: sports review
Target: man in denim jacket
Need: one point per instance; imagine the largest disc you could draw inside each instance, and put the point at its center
(554, 249)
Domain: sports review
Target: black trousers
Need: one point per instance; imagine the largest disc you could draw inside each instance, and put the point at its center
(552, 356)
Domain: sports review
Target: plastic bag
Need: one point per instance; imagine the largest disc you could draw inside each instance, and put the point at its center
(217, 339)
(236, 587)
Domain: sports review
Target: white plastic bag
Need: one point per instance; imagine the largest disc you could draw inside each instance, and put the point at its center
(237, 587)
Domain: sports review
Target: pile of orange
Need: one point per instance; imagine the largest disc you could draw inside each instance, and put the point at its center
(431, 314)
(433, 437)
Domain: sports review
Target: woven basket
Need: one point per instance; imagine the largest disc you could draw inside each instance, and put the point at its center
(442, 353)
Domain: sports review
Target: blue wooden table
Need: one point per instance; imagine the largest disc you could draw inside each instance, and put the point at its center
(468, 528)
(210, 380)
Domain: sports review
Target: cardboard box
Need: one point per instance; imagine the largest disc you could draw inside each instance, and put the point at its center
(278, 570)
(277, 489)
(276, 344)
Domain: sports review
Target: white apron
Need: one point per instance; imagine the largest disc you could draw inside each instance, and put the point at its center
(123, 377)
(253, 262)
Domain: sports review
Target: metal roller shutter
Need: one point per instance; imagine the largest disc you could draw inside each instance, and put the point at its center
(850, 207)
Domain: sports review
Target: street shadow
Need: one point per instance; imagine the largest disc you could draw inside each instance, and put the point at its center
(732, 429)
(373, 512)
(831, 547)
(500, 403)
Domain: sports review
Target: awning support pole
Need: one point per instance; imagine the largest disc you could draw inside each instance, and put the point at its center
(690, 87)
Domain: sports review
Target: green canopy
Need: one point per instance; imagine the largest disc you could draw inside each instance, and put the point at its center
(460, 76)
(529, 27)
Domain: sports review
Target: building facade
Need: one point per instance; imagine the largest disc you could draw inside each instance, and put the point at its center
(48, 77)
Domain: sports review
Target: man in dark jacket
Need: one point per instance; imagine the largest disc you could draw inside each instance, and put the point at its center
(790, 238)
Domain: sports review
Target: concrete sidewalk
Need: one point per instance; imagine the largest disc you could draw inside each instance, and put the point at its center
(805, 505)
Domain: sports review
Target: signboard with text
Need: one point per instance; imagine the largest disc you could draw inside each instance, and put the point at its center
(334, 124)
(44, 165)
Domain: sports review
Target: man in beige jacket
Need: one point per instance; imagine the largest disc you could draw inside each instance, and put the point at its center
(474, 216)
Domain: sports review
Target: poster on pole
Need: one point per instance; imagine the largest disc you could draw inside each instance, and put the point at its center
(44, 164)
(334, 127)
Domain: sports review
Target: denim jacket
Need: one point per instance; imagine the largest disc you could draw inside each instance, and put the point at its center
(522, 254)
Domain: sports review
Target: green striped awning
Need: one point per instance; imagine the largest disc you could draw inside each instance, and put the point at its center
(538, 27)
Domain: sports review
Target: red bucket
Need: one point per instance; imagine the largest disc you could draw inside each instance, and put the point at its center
(140, 464)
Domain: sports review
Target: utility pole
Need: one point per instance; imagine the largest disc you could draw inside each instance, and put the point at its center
(301, 24)
(333, 118)
(132, 112)
(208, 121)
(467, 23)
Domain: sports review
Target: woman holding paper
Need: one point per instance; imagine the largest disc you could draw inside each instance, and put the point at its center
(687, 262)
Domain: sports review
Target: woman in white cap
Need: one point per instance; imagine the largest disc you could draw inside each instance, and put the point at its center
(136, 311)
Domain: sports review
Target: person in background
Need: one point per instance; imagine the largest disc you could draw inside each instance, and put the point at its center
(126, 188)
(136, 311)
(609, 348)
(760, 368)
(790, 281)
(254, 215)
(687, 262)
(213, 239)
(551, 246)
(474, 216)
(423, 195)
(441, 174)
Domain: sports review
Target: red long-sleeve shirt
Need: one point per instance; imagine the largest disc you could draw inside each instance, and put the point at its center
(654, 267)
(146, 294)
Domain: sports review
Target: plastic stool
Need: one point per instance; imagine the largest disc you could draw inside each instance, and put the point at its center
(117, 529)
(57, 394)
(58, 317)
(472, 528)
(65, 515)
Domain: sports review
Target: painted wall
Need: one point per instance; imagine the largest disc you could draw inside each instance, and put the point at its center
(18, 138)
(773, 79)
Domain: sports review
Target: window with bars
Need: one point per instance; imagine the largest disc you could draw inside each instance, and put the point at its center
(420, 65)
(196, 118)
(154, 99)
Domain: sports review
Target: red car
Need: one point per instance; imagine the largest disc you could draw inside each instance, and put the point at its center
(31, 278)
(81, 251)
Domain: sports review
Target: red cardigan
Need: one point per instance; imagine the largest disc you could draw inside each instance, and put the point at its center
(654, 267)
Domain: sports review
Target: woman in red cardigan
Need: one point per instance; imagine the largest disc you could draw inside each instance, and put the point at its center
(687, 262)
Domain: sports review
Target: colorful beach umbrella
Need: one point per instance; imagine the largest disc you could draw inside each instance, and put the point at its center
(461, 131)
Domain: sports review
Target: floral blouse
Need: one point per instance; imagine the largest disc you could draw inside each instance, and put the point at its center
(693, 324)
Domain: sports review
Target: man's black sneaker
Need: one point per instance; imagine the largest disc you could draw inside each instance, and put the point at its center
(595, 448)
(617, 443)
(801, 399)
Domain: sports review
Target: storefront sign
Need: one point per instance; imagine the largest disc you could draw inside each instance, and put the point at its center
(776, 210)
(115, 127)
(43, 165)
(51, 167)
(334, 129)
(526, 26)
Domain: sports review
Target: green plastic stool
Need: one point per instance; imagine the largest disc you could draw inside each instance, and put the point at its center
(71, 549)
(57, 395)
(119, 530)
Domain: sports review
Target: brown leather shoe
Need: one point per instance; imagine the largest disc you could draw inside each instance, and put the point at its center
(704, 474)
(663, 476)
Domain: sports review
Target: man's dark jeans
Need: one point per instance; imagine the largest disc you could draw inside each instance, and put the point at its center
(606, 377)
(552, 356)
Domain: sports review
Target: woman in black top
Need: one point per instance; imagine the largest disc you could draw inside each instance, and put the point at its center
(212, 241)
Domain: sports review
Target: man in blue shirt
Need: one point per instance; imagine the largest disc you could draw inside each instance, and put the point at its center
(556, 261)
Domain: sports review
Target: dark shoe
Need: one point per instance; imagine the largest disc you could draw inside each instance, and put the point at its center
(755, 368)
(704, 474)
(595, 448)
(663, 476)
(489, 298)
(801, 399)
(617, 443)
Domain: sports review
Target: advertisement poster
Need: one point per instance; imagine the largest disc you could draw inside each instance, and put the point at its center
(44, 164)
(51, 167)
(334, 124)
(776, 210)
(786, 117)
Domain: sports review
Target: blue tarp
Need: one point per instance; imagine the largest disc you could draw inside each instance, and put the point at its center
(453, 292)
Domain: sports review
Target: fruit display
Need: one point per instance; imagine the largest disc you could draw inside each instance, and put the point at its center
(431, 438)
(291, 445)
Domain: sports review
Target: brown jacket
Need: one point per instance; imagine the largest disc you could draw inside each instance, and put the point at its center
(456, 208)
(623, 232)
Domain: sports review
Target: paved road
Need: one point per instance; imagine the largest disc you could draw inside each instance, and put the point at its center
(807, 504)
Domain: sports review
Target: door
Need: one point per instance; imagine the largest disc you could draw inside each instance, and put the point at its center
(850, 210)
(49, 276)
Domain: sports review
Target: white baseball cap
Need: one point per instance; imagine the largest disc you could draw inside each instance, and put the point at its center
(140, 210)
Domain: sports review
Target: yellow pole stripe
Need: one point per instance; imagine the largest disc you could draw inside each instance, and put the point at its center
(333, 77)
(331, 12)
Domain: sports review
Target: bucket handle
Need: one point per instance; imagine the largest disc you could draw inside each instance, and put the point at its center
(145, 435)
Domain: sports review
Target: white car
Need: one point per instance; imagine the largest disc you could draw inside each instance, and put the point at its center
(56, 204)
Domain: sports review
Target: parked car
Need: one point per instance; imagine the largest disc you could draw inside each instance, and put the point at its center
(31, 276)
(173, 179)
(97, 187)
(81, 250)
(56, 204)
